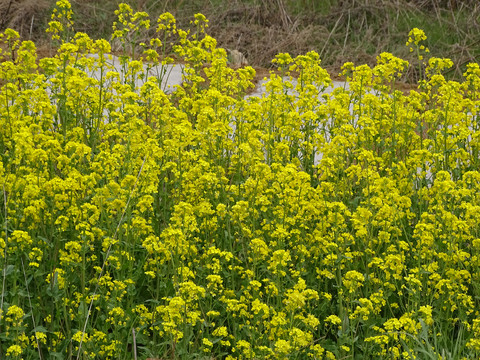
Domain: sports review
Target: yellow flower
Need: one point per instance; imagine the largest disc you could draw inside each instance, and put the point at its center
(415, 36)
(14, 315)
(220, 331)
(14, 350)
(282, 347)
(353, 280)
(333, 319)
(426, 311)
(207, 345)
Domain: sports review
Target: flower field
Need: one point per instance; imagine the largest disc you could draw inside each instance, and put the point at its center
(201, 223)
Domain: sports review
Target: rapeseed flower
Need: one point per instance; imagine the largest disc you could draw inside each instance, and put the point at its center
(289, 224)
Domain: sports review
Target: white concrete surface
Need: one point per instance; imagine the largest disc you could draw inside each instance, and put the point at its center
(169, 74)
(172, 74)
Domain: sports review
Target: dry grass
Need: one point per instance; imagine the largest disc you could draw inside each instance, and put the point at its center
(25, 16)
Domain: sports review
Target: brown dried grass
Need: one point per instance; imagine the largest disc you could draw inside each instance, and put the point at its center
(262, 30)
(25, 16)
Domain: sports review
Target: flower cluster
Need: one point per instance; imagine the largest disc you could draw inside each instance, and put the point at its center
(203, 222)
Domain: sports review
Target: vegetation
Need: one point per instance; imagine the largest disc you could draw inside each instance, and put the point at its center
(201, 223)
(338, 30)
